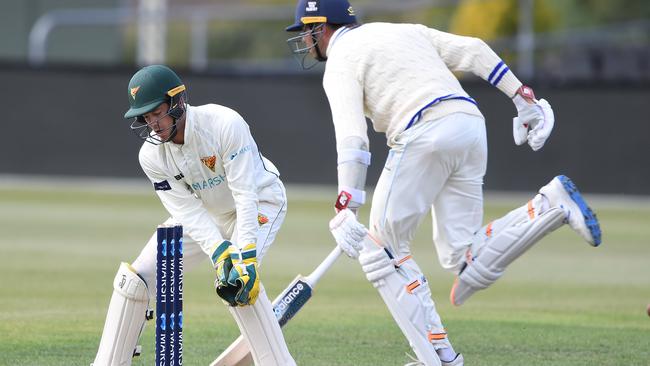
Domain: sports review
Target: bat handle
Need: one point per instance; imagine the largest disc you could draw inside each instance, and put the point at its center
(315, 276)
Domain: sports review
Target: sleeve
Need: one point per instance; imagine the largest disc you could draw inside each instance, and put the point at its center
(239, 154)
(469, 54)
(345, 95)
(183, 206)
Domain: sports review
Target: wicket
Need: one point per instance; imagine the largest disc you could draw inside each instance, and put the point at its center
(169, 296)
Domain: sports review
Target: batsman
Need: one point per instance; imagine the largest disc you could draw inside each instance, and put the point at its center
(209, 174)
(400, 77)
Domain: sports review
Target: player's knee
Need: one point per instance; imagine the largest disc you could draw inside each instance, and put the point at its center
(129, 284)
(454, 261)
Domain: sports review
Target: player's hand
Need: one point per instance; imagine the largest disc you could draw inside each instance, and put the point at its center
(223, 264)
(348, 232)
(534, 121)
(244, 275)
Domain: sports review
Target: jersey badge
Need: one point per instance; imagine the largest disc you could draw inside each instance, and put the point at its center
(209, 161)
(312, 6)
(262, 219)
(134, 91)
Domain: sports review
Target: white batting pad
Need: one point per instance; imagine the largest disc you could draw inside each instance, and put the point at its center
(260, 328)
(507, 244)
(125, 319)
(403, 292)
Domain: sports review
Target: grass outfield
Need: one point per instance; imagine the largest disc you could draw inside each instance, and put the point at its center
(563, 303)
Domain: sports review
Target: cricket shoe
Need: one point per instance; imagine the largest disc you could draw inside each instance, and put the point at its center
(562, 192)
(457, 361)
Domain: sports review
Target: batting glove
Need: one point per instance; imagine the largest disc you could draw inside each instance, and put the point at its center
(348, 232)
(534, 121)
(244, 275)
(223, 264)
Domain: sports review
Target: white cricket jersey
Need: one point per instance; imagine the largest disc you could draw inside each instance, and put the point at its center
(213, 178)
(393, 73)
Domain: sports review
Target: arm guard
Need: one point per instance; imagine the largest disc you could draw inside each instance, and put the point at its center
(353, 162)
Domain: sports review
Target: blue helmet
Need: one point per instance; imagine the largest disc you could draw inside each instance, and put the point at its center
(322, 11)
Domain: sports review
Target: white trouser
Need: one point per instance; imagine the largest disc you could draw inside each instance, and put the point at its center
(437, 165)
(274, 208)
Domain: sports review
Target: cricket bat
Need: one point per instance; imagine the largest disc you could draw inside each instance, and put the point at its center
(287, 304)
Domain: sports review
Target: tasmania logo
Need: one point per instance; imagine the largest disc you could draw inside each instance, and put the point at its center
(262, 219)
(134, 91)
(209, 161)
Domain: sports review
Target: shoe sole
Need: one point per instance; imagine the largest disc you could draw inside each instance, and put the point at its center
(591, 221)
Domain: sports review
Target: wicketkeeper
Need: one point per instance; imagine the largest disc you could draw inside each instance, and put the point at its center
(400, 76)
(208, 173)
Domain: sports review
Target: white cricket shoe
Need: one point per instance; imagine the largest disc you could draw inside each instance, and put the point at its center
(562, 192)
(457, 361)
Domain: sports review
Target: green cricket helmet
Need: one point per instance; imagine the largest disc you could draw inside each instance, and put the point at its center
(150, 87)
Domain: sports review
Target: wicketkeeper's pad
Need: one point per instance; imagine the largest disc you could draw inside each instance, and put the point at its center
(125, 319)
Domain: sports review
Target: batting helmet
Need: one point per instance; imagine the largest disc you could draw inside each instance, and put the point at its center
(322, 11)
(152, 86)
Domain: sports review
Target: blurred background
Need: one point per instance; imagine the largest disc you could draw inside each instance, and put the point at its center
(74, 202)
(65, 66)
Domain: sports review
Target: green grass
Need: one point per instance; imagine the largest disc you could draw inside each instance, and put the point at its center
(563, 303)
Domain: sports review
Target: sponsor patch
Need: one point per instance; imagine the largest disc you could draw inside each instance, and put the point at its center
(209, 161)
(244, 149)
(209, 183)
(162, 186)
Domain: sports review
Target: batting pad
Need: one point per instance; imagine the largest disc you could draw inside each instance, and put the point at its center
(397, 290)
(501, 250)
(125, 319)
(260, 328)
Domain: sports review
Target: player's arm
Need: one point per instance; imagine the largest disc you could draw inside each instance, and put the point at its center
(239, 151)
(470, 54)
(345, 95)
(535, 118)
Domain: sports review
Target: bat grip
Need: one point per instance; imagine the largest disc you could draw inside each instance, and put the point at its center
(315, 276)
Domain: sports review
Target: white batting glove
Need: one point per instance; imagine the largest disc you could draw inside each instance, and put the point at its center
(348, 232)
(534, 121)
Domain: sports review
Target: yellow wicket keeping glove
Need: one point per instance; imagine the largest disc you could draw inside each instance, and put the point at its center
(223, 264)
(244, 274)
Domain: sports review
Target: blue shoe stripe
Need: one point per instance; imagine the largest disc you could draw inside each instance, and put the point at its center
(590, 217)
